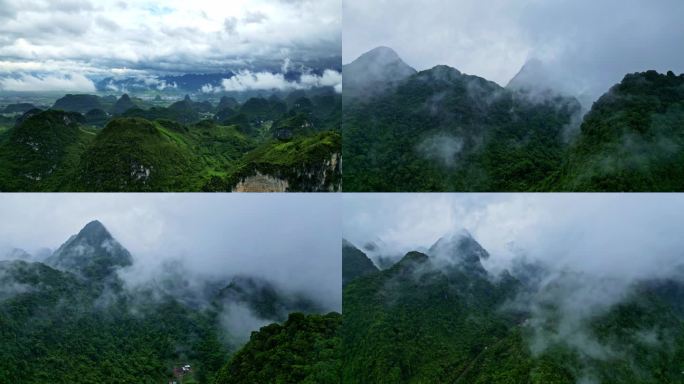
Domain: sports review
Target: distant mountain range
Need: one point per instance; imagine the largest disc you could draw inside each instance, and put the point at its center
(442, 130)
(193, 82)
(73, 319)
(441, 317)
(103, 143)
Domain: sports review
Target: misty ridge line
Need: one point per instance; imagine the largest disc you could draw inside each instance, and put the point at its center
(535, 81)
(94, 254)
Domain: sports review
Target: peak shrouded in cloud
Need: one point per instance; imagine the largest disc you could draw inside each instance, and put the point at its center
(71, 45)
(291, 241)
(586, 46)
(621, 236)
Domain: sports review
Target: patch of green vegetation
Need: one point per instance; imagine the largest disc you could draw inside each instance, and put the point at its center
(303, 350)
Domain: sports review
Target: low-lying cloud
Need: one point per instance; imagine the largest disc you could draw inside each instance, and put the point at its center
(443, 148)
(47, 83)
(246, 80)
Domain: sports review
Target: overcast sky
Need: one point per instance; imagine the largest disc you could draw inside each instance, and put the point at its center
(593, 43)
(66, 43)
(292, 239)
(626, 235)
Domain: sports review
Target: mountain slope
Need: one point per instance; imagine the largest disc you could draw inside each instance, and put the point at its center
(80, 103)
(373, 73)
(304, 350)
(631, 140)
(42, 151)
(92, 253)
(355, 263)
(420, 321)
(132, 154)
(123, 104)
(66, 326)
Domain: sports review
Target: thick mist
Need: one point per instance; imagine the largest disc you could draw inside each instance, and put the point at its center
(291, 241)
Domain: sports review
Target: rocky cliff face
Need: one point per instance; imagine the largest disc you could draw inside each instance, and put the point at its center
(321, 177)
(261, 183)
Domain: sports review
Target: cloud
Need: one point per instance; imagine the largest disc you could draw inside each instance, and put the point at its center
(202, 36)
(230, 25)
(586, 51)
(264, 81)
(30, 83)
(254, 18)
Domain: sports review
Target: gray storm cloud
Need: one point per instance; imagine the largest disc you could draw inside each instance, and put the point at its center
(585, 46)
(290, 240)
(54, 41)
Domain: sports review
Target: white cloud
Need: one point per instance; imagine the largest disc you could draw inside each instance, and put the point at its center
(247, 80)
(208, 88)
(256, 81)
(35, 83)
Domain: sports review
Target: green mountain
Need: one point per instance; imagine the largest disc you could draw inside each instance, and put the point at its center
(441, 130)
(631, 140)
(69, 320)
(227, 102)
(373, 73)
(172, 149)
(18, 108)
(441, 317)
(43, 151)
(92, 253)
(260, 110)
(355, 263)
(72, 319)
(123, 104)
(137, 155)
(304, 350)
(78, 103)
